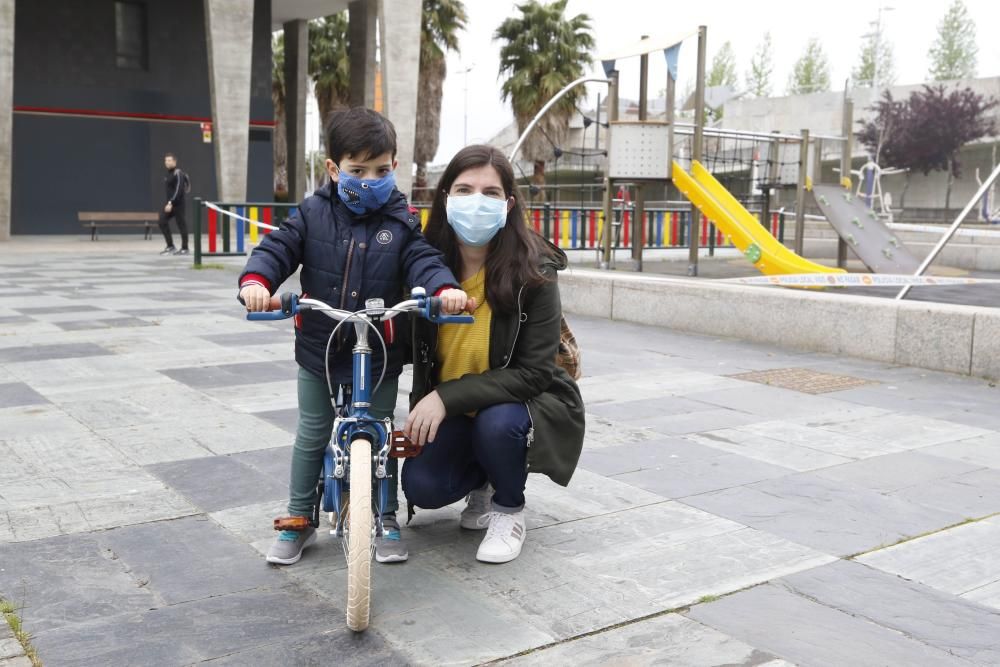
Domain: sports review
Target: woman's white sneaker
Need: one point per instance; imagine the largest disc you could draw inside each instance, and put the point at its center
(477, 505)
(504, 538)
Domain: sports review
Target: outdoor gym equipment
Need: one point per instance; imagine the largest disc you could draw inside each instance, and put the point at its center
(362, 444)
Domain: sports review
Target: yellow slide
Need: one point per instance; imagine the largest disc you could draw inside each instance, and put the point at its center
(747, 234)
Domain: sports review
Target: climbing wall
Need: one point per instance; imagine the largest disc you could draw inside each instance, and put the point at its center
(865, 234)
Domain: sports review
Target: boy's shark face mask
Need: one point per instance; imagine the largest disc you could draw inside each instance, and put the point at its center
(364, 195)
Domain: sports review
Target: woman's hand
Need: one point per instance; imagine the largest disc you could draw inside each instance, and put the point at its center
(424, 419)
(454, 301)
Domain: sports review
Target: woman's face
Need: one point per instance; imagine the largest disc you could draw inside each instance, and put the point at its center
(483, 180)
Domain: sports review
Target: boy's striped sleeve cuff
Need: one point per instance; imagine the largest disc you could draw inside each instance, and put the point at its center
(255, 279)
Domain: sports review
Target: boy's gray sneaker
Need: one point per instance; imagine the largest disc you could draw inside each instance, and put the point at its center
(389, 545)
(289, 544)
(477, 505)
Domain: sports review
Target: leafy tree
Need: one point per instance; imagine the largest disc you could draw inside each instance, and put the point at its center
(330, 63)
(543, 50)
(723, 70)
(441, 22)
(954, 52)
(865, 71)
(761, 67)
(926, 132)
(811, 73)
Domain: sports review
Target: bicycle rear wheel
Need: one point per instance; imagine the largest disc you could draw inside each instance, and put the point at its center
(359, 536)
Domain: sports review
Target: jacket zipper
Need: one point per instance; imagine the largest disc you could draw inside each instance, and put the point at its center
(347, 275)
(517, 332)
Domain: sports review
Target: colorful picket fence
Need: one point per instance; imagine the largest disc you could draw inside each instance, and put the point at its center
(229, 228)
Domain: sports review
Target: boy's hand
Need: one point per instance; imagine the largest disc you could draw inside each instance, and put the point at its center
(256, 297)
(455, 301)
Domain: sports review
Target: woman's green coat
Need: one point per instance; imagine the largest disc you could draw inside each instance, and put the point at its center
(523, 347)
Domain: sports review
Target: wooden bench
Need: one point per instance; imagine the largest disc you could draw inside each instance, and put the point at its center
(94, 220)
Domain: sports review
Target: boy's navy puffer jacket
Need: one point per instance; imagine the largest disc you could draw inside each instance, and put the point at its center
(345, 260)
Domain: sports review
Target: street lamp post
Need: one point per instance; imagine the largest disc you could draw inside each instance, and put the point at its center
(877, 43)
(465, 112)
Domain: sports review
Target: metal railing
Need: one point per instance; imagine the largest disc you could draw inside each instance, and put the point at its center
(230, 226)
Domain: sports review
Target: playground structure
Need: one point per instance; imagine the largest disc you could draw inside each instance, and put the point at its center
(989, 210)
(729, 178)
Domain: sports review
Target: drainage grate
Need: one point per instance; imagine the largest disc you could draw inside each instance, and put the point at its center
(804, 380)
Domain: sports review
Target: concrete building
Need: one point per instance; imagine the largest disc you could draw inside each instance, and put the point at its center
(84, 126)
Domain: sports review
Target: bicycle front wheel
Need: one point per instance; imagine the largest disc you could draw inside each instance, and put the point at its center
(359, 537)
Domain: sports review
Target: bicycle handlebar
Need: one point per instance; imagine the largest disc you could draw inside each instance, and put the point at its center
(426, 307)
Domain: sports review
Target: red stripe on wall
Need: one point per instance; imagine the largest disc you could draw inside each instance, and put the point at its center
(57, 111)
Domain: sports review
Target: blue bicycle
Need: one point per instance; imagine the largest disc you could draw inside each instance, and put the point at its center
(362, 444)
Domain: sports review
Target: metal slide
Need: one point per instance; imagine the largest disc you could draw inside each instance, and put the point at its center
(866, 235)
(747, 234)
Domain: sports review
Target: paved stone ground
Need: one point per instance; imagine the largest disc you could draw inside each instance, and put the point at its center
(144, 444)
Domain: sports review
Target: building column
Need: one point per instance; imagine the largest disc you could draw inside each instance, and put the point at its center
(400, 40)
(229, 33)
(362, 18)
(6, 112)
(296, 85)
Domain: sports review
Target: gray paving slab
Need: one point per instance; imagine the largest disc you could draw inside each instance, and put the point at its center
(273, 463)
(9, 646)
(958, 560)
(670, 640)
(13, 355)
(243, 339)
(773, 450)
(944, 621)
(105, 323)
(187, 559)
(203, 377)
(895, 472)
(679, 478)
(610, 461)
(981, 451)
(696, 422)
(193, 632)
(632, 411)
(907, 431)
(48, 310)
(286, 419)
(770, 402)
(66, 580)
(20, 661)
(333, 644)
(13, 394)
(832, 517)
(218, 482)
(807, 632)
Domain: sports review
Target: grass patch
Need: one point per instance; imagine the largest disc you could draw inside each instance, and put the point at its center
(707, 598)
(12, 615)
(204, 265)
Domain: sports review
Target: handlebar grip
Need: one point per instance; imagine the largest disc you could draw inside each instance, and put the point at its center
(433, 307)
(289, 303)
(268, 315)
(453, 319)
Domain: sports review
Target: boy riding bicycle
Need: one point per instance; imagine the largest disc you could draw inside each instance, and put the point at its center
(355, 239)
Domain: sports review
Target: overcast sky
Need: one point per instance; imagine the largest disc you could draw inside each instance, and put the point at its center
(910, 28)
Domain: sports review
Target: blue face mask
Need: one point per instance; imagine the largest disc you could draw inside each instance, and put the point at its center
(364, 195)
(476, 218)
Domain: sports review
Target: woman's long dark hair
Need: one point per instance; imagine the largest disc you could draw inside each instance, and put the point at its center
(515, 253)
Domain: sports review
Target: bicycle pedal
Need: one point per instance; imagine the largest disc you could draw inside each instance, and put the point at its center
(402, 447)
(293, 523)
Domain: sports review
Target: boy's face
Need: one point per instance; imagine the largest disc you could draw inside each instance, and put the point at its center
(374, 167)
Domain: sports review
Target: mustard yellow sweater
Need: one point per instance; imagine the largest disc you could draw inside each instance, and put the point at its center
(465, 348)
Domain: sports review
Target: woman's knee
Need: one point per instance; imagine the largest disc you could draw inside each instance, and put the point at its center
(422, 485)
(504, 424)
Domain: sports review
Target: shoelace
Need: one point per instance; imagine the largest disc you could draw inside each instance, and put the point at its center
(501, 524)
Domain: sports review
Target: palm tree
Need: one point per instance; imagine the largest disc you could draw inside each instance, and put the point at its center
(329, 63)
(543, 51)
(442, 19)
(279, 144)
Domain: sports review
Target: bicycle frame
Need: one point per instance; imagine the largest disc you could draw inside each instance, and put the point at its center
(356, 422)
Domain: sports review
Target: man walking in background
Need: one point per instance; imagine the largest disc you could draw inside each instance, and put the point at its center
(176, 183)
